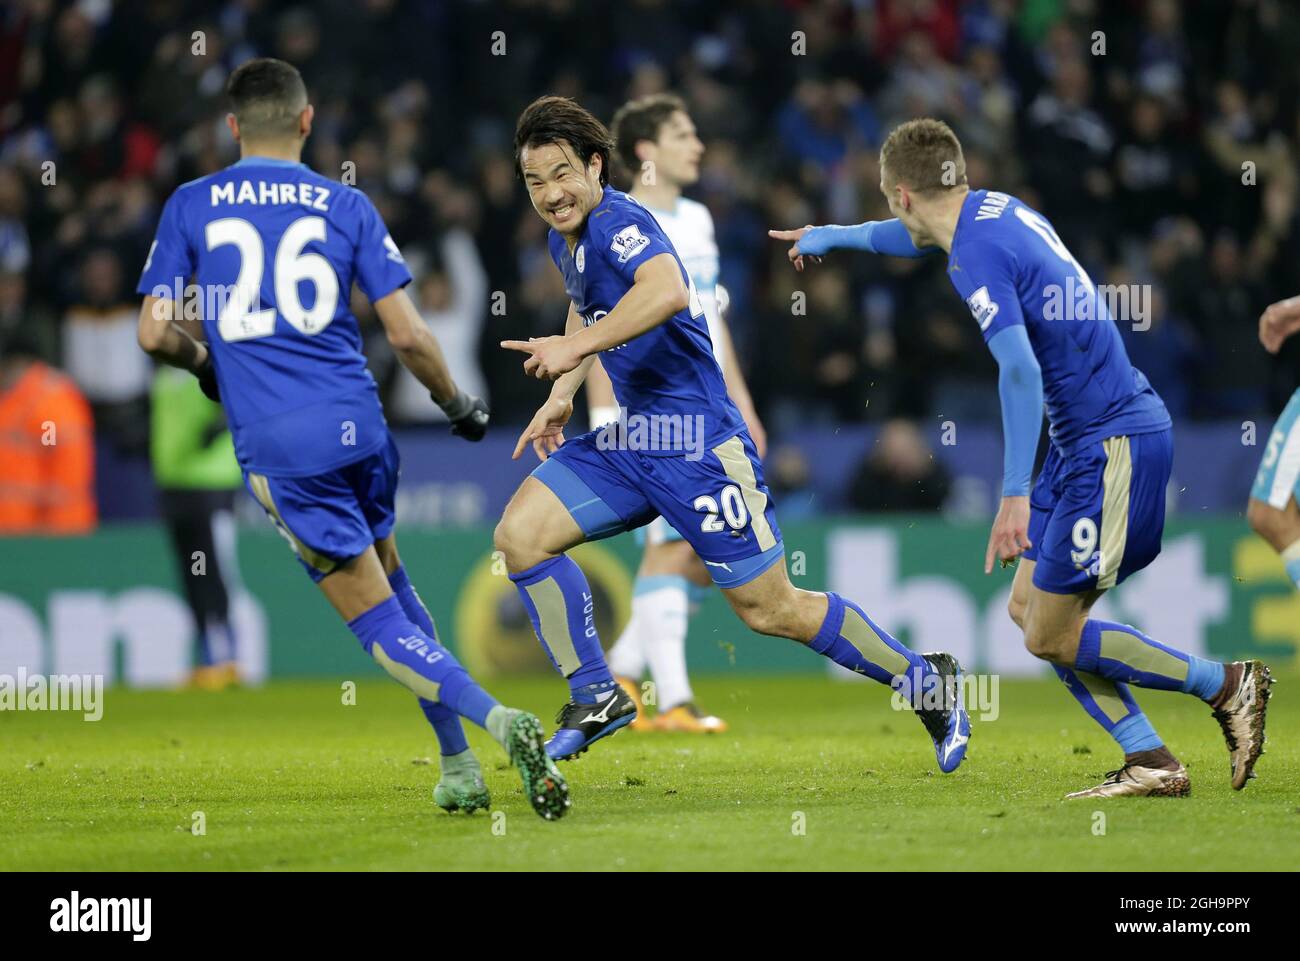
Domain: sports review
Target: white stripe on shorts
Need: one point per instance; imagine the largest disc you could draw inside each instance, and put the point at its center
(1287, 473)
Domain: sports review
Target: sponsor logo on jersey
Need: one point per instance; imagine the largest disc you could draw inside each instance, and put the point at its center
(982, 307)
(628, 242)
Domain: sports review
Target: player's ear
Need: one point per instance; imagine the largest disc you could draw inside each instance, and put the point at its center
(233, 124)
(304, 121)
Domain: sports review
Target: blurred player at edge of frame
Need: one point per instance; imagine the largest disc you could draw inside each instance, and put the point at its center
(633, 299)
(1272, 507)
(197, 475)
(304, 412)
(1097, 511)
(656, 142)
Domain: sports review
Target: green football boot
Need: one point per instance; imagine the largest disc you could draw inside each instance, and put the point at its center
(544, 785)
(461, 786)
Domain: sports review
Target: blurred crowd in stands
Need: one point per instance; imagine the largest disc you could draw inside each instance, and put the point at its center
(1159, 136)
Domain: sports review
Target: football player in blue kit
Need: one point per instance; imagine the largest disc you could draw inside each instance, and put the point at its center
(274, 249)
(1097, 511)
(680, 451)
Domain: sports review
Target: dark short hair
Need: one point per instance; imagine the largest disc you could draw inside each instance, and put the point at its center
(642, 119)
(560, 120)
(266, 96)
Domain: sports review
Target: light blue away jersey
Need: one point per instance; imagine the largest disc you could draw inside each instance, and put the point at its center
(669, 370)
(1011, 268)
(274, 248)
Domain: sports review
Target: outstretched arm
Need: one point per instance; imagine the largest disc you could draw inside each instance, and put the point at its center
(888, 237)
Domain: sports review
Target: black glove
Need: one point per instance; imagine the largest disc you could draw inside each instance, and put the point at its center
(468, 415)
(207, 375)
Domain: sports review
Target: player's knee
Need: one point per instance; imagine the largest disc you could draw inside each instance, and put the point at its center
(1016, 607)
(511, 539)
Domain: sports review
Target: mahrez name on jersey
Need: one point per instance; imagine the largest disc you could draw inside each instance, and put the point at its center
(303, 194)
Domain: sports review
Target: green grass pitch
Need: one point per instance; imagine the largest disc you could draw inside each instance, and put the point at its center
(815, 774)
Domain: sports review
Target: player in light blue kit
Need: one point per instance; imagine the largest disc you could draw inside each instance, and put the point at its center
(1272, 510)
(274, 248)
(682, 452)
(1097, 511)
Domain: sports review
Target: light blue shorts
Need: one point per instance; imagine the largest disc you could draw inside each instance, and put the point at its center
(1278, 478)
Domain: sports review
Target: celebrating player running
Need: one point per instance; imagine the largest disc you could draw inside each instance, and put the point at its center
(1097, 511)
(657, 143)
(632, 302)
(284, 354)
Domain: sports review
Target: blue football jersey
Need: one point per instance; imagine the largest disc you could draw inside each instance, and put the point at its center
(274, 248)
(669, 370)
(1011, 268)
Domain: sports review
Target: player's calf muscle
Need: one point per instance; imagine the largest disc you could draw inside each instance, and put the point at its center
(773, 606)
(357, 586)
(1053, 625)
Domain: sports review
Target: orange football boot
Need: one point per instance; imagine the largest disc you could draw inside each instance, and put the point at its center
(633, 690)
(689, 719)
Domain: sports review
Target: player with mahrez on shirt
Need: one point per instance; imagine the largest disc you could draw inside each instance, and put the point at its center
(633, 302)
(283, 353)
(1097, 511)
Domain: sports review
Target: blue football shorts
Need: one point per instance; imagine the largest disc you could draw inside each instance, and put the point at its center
(718, 502)
(330, 518)
(1097, 515)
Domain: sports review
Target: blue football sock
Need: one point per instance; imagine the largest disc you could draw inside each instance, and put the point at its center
(559, 603)
(446, 722)
(851, 639)
(1122, 653)
(419, 662)
(1111, 705)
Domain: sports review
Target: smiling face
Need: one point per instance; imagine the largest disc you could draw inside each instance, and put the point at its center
(563, 190)
(677, 151)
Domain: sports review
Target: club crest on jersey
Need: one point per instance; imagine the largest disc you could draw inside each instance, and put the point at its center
(628, 242)
(580, 258)
(983, 309)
